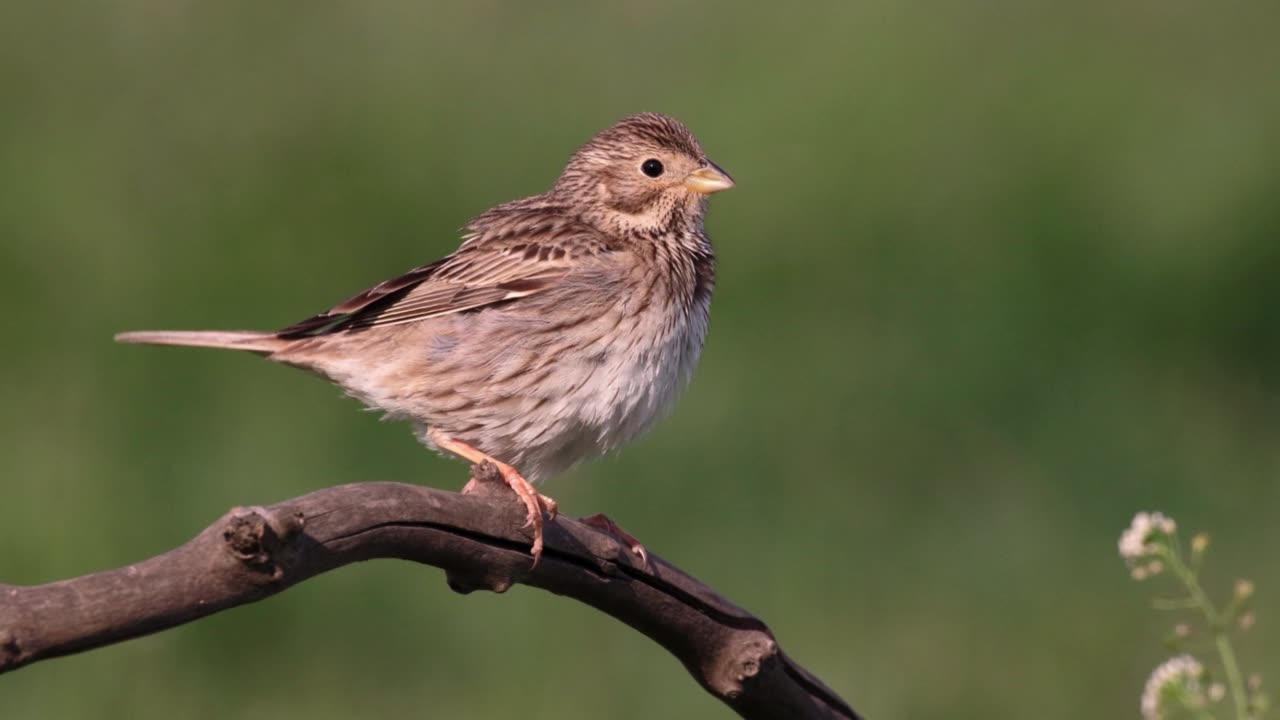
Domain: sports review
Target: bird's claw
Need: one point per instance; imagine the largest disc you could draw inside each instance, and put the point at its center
(484, 468)
(548, 506)
(604, 523)
(535, 504)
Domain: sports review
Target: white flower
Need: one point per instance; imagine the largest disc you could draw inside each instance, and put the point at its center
(1175, 683)
(1135, 541)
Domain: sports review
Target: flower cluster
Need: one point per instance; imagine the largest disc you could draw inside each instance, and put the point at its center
(1176, 683)
(1143, 543)
(1181, 684)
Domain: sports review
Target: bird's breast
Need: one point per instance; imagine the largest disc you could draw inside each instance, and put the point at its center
(633, 376)
(570, 374)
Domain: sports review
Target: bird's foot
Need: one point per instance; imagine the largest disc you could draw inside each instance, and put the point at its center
(487, 469)
(604, 523)
(535, 504)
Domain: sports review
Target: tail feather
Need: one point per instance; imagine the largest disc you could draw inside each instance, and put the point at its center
(260, 342)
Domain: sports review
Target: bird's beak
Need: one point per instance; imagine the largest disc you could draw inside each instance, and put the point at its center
(709, 179)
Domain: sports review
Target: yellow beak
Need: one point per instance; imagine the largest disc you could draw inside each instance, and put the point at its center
(709, 179)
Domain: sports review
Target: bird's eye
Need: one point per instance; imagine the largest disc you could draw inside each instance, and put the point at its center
(652, 168)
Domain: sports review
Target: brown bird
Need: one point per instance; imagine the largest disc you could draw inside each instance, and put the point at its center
(562, 328)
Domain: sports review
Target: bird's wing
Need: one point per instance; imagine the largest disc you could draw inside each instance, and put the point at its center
(492, 266)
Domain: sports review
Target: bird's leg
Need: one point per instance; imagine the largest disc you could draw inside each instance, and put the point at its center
(534, 503)
(604, 523)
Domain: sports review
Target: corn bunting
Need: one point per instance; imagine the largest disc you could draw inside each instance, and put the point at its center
(563, 326)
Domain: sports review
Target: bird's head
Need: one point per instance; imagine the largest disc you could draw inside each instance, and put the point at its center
(646, 174)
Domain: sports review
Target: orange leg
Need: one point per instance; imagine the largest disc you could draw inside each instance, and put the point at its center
(535, 503)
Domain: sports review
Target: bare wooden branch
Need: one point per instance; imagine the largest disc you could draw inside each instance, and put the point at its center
(476, 537)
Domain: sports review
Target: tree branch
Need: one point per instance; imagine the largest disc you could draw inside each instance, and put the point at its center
(476, 537)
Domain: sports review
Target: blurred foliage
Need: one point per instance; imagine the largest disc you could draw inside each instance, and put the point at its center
(996, 275)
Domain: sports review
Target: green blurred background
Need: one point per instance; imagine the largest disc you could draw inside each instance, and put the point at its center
(996, 275)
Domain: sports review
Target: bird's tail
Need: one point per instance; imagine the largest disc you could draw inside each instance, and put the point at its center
(259, 342)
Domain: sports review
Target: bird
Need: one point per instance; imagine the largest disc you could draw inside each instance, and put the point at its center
(561, 329)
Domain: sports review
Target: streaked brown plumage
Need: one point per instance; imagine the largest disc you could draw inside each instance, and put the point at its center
(562, 328)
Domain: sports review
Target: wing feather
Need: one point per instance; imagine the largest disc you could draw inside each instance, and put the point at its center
(505, 266)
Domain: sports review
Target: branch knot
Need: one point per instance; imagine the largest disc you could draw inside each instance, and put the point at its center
(255, 536)
(10, 648)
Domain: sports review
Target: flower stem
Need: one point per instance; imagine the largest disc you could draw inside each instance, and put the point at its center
(1217, 626)
(1232, 671)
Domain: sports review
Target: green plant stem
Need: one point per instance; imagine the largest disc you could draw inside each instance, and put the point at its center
(1232, 671)
(1221, 633)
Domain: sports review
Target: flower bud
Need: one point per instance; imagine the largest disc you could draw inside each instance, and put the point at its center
(1244, 589)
